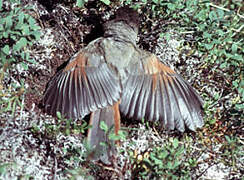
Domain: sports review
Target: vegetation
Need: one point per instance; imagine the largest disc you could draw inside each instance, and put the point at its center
(211, 34)
(18, 31)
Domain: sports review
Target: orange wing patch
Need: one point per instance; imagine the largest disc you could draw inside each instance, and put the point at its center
(154, 67)
(80, 62)
(154, 82)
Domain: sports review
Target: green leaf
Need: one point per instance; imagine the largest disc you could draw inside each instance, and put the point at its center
(239, 106)
(171, 6)
(208, 46)
(36, 34)
(212, 15)
(201, 15)
(103, 144)
(33, 61)
(188, 4)
(238, 57)
(6, 50)
(220, 13)
(206, 34)
(24, 65)
(13, 37)
(114, 137)
(227, 138)
(216, 41)
(212, 121)
(175, 143)
(31, 21)
(27, 57)
(20, 44)
(1, 4)
(234, 48)
(104, 126)
(107, 2)
(235, 83)
(8, 22)
(228, 40)
(176, 164)
(180, 151)
(3, 58)
(120, 136)
(59, 116)
(155, 159)
(163, 154)
(25, 29)
(16, 10)
(169, 165)
(1, 28)
(2, 21)
(16, 33)
(223, 65)
(220, 32)
(21, 17)
(166, 35)
(4, 166)
(5, 34)
(216, 96)
(22, 54)
(80, 3)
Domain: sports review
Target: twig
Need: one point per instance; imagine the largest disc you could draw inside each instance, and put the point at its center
(219, 7)
(115, 169)
(156, 132)
(237, 30)
(224, 9)
(39, 19)
(187, 32)
(238, 13)
(241, 16)
(22, 107)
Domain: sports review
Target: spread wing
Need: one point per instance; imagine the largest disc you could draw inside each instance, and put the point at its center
(84, 85)
(158, 93)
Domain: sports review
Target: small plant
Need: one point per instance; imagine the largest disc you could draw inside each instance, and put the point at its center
(163, 162)
(81, 3)
(18, 30)
(65, 126)
(10, 99)
(110, 139)
(79, 173)
(110, 132)
(232, 150)
(4, 167)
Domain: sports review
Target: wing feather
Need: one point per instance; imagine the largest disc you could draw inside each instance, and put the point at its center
(156, 92)
(82, 87)
(168, 105)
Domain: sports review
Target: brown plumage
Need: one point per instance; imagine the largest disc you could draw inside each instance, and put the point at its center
(112, 74)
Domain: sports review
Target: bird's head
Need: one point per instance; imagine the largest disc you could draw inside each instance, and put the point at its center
(125, 24)
(129, 16)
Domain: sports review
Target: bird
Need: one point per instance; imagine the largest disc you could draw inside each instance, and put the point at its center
(112, 76)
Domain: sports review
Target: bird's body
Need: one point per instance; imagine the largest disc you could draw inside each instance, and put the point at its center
(112, 75)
